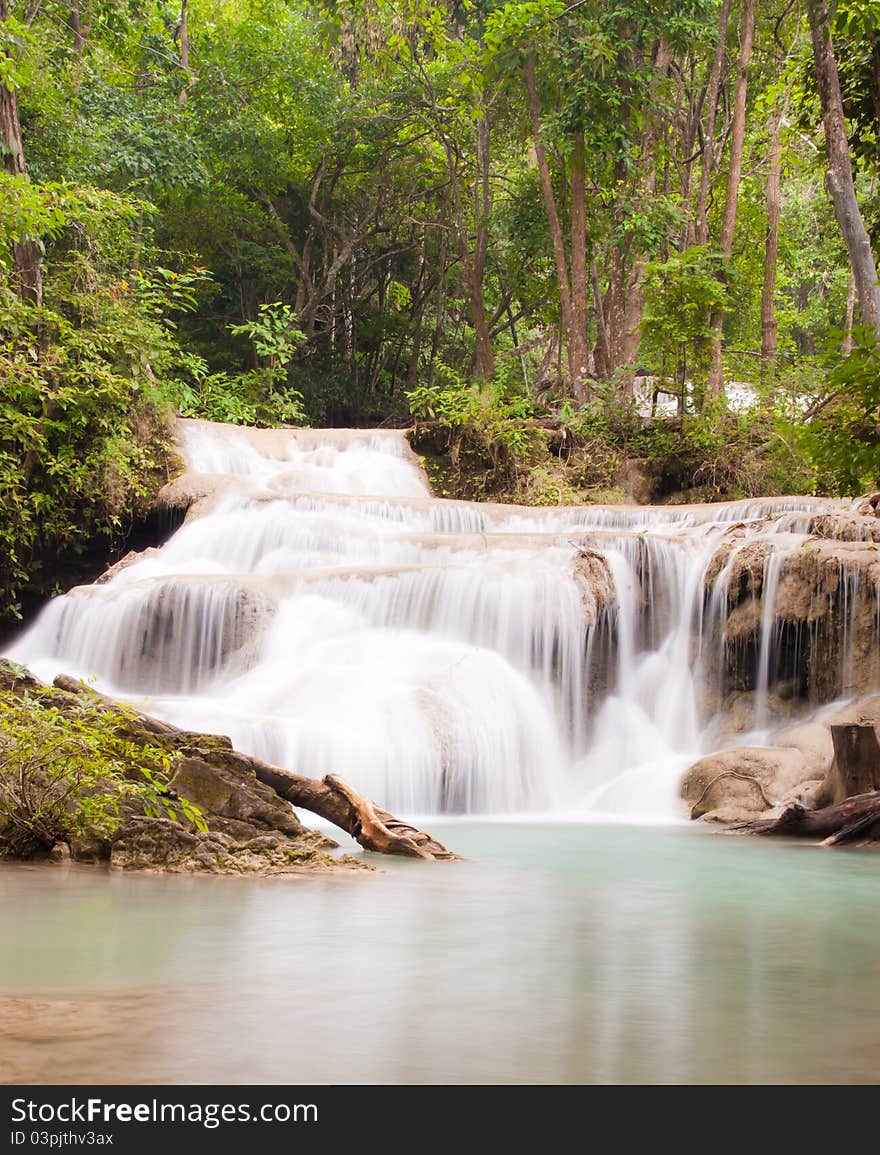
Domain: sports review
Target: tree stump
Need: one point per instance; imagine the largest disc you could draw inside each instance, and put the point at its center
(856, 768)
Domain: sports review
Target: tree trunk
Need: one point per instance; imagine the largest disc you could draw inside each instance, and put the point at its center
(579, 348)
(849, 317)
(734, 176)
(475, 268)
(602, 351)
(26, 253)
(839, 175)
(550, 207)
(769, 327)
(184, 50)
(79, 39)
(701, 229)
(627, 289)
(484, 359)
(856, 768)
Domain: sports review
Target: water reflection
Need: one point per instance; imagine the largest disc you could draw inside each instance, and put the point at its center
(560, 954)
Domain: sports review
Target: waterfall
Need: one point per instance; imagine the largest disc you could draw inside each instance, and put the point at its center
(329, 615)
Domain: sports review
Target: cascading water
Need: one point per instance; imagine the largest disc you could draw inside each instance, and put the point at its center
(330, 616)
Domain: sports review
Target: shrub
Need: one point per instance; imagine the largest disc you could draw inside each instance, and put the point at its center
(75, 771)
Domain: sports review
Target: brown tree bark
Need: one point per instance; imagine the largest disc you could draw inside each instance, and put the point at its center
(849, 317)
(484, 355)
(839, 174)
(626, 295)
(858, 816)
(580, 352)
(27, 252)
(856, 768)
(76, 25)
(474, 265)
(602, 351)
(769, 327)
(701, 227)
(734, 176)
(550, 208)
(184, 51)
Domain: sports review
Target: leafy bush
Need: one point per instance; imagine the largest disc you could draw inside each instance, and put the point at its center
(494, 413)
(842, 441)
(74, 772)
(83, 386)
(261, 396)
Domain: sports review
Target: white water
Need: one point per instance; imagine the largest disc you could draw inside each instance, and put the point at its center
(329, 616)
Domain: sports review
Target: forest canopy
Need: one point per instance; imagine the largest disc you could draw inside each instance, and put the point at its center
(651, 226)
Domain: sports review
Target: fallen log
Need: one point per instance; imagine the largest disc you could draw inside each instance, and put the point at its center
(854, 818)
(331, 798)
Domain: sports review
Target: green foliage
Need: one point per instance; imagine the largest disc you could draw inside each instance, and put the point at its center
(682, 293)
(843, 442)
(494, 412)
(75, 772)
(82, 401)
(261, 396)
(290, 231)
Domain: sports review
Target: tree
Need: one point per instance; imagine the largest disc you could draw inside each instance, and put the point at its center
(839, 175)
(27, 252)
(734, 176)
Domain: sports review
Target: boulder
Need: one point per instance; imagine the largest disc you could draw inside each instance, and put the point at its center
(735, 785)
(226, 790)
(813, 740)
(825, 619)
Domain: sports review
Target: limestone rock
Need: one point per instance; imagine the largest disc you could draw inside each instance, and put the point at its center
(814, 742)
(862, 712)
(129, 559)
(89, 848)
(739, 783)
(595, 582)
(827, 632)
(159, 844)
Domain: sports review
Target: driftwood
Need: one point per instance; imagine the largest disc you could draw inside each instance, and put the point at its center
(331, 798)
(854, 818)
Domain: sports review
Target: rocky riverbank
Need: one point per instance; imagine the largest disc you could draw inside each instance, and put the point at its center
(233, 823)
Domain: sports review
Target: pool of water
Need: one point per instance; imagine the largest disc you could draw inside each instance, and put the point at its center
(556, 954)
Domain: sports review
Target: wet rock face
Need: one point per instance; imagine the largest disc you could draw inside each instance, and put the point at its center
(596, 584)
(825, 619)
